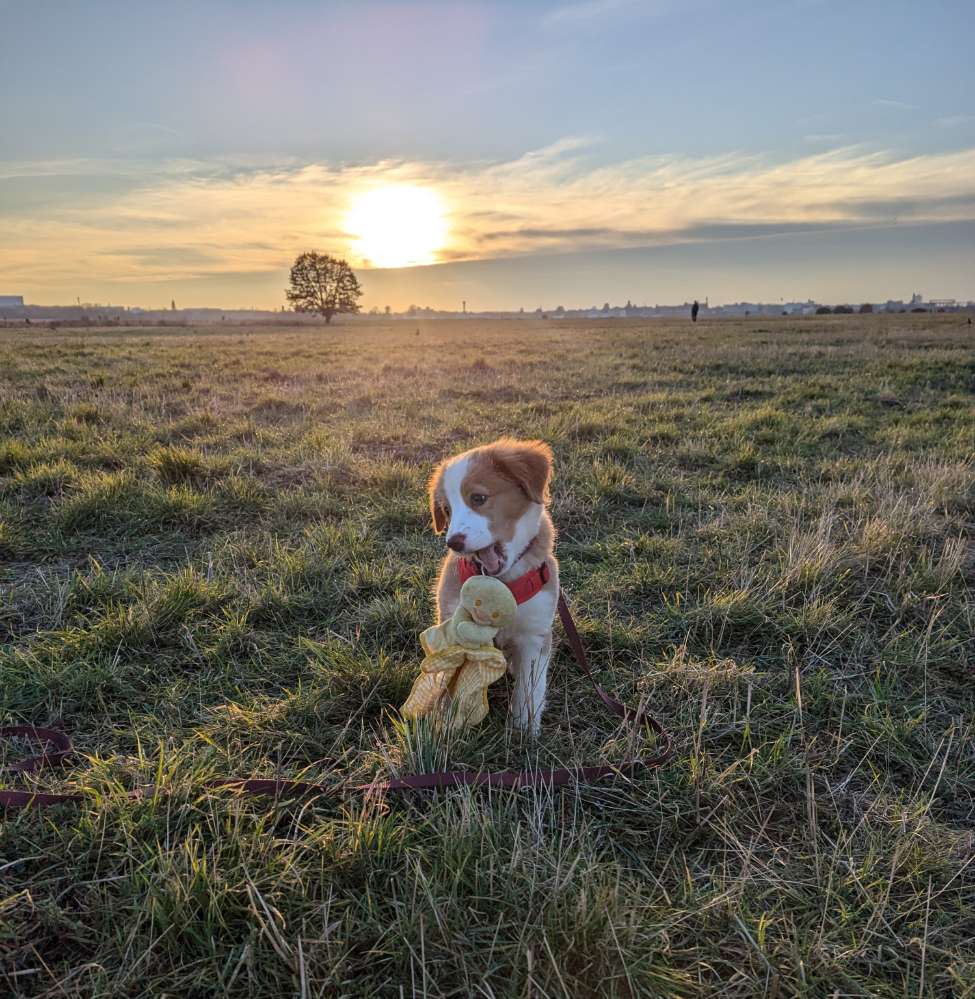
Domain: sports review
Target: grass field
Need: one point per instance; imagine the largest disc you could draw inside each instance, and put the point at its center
(215, 559)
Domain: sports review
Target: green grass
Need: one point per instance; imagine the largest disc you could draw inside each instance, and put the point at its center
(215, 559)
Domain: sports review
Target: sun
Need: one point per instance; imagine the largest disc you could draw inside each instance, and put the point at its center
(398, 225)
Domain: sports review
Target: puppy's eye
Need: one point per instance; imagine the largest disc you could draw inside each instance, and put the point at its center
(496, 614)
(477, 603)
(478, 499)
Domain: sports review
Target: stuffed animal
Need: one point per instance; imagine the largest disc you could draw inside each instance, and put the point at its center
(461, 661)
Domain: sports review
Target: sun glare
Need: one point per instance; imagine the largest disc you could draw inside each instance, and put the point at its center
(397, 226)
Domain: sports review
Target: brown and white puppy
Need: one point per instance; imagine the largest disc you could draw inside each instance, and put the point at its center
(492, 502)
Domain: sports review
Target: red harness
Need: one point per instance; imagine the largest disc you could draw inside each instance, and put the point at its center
(522, 589)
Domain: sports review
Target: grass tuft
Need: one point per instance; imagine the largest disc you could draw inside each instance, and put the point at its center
(176, 465)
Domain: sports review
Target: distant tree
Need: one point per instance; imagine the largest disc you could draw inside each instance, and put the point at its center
(387, 310)
(919, 310)
(843, 310)
(865, 308)
(323, 284)
(823, 310)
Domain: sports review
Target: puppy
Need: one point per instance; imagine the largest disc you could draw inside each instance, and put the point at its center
(492, 502)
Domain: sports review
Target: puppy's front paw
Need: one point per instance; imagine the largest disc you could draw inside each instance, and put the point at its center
(524, 719)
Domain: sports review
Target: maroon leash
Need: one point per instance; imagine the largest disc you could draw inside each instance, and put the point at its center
(60, 751)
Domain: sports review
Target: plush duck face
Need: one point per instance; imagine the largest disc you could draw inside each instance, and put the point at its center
(489, 602)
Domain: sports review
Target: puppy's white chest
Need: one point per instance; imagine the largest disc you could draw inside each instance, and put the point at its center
(534, 618)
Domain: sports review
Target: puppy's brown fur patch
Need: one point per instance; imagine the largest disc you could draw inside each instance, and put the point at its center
(439, 512)
(528, 464)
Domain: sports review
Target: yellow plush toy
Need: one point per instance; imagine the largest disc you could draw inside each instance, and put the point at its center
(461, 660)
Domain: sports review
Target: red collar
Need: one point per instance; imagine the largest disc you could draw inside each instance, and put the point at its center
(522, 589)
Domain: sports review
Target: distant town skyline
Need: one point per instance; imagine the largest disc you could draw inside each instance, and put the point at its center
(14, 310)
(504, 153)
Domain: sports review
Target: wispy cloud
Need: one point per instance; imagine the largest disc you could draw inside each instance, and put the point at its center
(954, 120)
(185, 220)
(585, 10)
(883, 102)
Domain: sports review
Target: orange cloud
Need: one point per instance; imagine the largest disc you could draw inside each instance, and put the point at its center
(182, 220)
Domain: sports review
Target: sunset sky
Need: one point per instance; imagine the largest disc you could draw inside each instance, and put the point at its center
(521, 153)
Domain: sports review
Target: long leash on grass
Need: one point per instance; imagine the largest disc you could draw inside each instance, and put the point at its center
(59, 750)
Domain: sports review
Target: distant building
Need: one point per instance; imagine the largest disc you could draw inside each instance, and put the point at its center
(807, 308)
(11, 301)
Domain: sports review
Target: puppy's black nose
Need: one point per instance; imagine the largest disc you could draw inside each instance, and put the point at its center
(457, 542)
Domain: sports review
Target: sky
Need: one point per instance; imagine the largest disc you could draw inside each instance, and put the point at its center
(510, 154)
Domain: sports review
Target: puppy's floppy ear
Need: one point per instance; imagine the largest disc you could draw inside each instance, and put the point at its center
(439, 513)
(526, 463)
